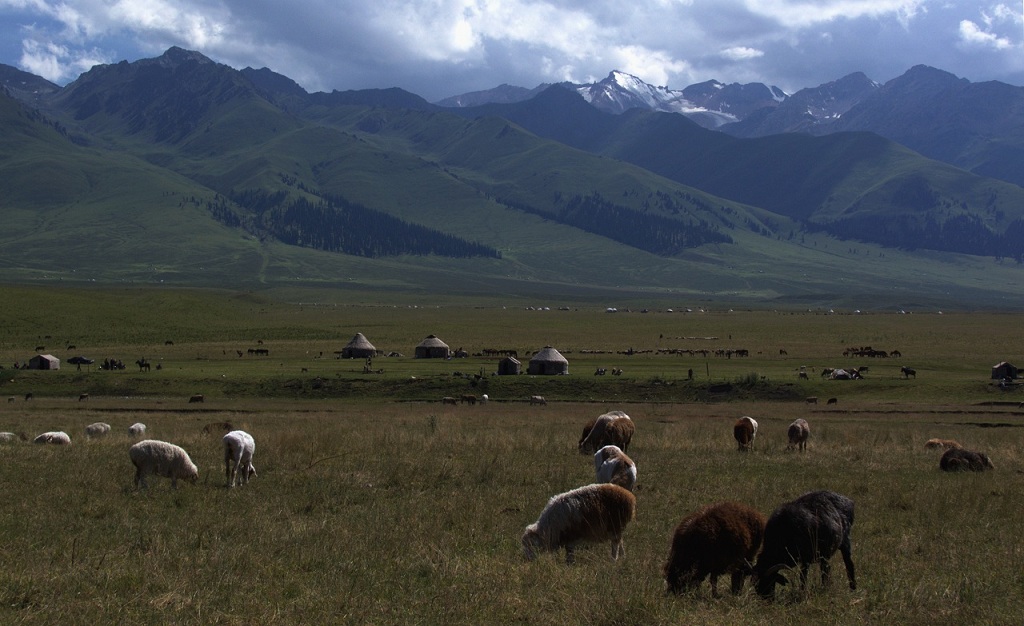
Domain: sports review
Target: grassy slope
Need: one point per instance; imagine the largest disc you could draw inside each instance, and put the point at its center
(121, 219)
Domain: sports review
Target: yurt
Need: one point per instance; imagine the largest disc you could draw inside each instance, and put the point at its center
(1003, 370)
(432, 348)
(44, 362)
(548, 362)
(509, 366)
(359, 348)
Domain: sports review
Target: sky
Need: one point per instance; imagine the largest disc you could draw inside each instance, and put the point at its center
(441, 48)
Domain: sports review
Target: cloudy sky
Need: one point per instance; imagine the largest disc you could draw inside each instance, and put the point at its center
(439, 48)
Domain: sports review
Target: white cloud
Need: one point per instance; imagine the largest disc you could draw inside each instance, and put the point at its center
(55, 62)
(652, 66)
(740, 53)
(804, 13)
(973, 35)
(438, 48)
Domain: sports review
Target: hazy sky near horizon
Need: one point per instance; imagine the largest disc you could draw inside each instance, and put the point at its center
(439, 48)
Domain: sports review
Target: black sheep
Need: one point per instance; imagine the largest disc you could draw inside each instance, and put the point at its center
(807, 530)
(958, 459)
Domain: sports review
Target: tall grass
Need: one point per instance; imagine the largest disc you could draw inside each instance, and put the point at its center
(366, 512)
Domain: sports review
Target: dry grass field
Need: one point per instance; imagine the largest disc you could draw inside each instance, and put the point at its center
(377, 504)
(399, 513)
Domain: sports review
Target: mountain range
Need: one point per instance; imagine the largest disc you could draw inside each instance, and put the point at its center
(975, 126)
(186, 171)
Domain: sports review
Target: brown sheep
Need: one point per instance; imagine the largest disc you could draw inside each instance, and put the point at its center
(744, 431)
(798, 433)
(722, 538)
(614, 428)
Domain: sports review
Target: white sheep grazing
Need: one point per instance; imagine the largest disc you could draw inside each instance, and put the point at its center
(161, 459)
(99, 429)
(239, 447)
(611, 465)
(57, 438)
(11, 437)
(137, 429)
(590, 514)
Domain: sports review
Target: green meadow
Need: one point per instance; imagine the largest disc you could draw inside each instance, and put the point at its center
(377, 504)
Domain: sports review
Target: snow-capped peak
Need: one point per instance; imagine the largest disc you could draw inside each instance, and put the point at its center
(711, 104)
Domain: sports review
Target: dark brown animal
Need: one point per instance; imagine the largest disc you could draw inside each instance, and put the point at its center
(744, 431)
(960, 460)
(719, 539)
(197, 398)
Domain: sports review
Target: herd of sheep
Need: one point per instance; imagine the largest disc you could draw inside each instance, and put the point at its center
(151, 457)
(718, 539)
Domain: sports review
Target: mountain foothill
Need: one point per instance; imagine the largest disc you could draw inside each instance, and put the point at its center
(180, 169)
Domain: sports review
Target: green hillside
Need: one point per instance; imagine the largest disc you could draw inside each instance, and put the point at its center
(124, 178)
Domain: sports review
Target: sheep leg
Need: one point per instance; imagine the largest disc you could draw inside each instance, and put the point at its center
(737, 581)
(713, 581)
(848, 560)
(826, 571)
(803, 575)
(570, 554)
(618, 549)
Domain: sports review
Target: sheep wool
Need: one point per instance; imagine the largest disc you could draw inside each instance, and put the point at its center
(589, 514)
(159, 458)
(722, 538)
(611, 465)
(98, 429)
(57, 438)
(613, 428)
(239, 446)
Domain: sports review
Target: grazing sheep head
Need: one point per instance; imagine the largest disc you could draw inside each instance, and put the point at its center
(765, 582)
(531, 542)
(680, 582)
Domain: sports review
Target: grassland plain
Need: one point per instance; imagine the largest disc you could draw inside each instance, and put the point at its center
(375, 503)
(371, 512)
